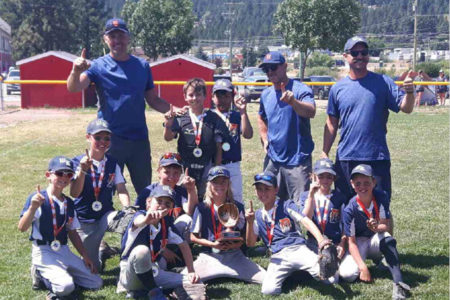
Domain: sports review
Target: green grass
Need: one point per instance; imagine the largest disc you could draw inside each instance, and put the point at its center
(419, 145)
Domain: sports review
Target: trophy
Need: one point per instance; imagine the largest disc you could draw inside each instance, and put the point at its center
(229, 216)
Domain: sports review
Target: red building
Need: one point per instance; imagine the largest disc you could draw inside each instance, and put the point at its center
(52, 65)
(181, 68)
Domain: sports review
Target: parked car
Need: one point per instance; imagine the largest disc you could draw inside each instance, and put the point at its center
(251, 71)
(252, 92)
(14, 74)
(321, 91)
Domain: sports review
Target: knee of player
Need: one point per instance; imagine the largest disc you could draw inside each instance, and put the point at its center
(64, 288)
(141, 252)
(349, 275)
(270, 289)
(96, 283)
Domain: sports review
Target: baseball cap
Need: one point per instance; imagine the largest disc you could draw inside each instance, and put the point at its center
(222, 85)
(273, 57)
(441, 71)
(116, 24)
(170, 158)
(97, 125)
(362, 169)
(266, 178)
(163, 191)
(218, 171)
(351, 42)
(61, 163)
(324, 165)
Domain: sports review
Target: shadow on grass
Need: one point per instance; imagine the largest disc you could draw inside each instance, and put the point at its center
(423, 261)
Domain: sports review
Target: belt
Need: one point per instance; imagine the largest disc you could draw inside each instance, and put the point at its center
(226, 162)
(41, 242)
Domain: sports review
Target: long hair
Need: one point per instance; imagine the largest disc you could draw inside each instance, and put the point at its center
(208, 200)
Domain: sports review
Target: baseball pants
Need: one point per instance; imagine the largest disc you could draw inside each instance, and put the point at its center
(236, 180)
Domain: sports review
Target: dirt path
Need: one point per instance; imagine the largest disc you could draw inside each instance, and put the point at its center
(13, 116)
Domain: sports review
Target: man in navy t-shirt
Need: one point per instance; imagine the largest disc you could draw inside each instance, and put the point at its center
(284, 127)
(359, 105)
(122, 82)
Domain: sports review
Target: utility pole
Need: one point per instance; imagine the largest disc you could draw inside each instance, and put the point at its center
(230, 15)
(415, 34)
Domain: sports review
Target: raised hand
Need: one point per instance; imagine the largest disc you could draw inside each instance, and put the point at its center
(188, 182)
(86, 162)
(286, 96)
(38, 198)
(81, 64)
(169, 116)
(314, 187)
(408, 82)
(239, 101)
(153, 215)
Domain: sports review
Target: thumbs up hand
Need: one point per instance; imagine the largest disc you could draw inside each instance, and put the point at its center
(408, 83)
(286, 96)
(81, 64)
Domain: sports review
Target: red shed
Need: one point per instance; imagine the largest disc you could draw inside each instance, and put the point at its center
(52, 65)
(181, 68)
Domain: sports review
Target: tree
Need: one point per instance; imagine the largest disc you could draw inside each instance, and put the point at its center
(160, 27)
(316, 24)
(249, 56)
(320, 60)
(200, 54)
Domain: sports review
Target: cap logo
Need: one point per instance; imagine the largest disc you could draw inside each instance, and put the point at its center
(325, 163)
(167, 189)
(101, 123)
(223, 83)
(268, 56)
(115, 23)
(360, 168)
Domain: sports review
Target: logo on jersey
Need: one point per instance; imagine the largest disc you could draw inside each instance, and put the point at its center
(111, 178)
(189, 131)
(176, 211)
(233, 130)
(285, 225)
(335, 215)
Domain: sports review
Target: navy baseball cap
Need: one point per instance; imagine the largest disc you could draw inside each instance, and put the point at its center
(97, 125)
(163, 191)
(116, 24)
(266, 178)
(61, 163)
(351, 42)
(218, 171)
(222, 85)
(273, 57)
(324, 165)
(170, 158)
(362, 169)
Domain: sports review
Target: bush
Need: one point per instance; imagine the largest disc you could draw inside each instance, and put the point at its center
(432, 68)
(321, 71)
(320, 60)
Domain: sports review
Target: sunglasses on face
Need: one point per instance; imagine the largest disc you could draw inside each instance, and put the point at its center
(263, 177)
(355, 53)
(171, 155)
(271, 67)
(221, 93)
(63, 173)
(104, 138)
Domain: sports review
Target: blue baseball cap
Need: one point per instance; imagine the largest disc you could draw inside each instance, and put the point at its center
(273, 57)
(222, 85)
(324, 165)
(218, 171)
(97, 125)
(266, 178)
(362, 169)
(116, 24)
(351, 42)
(170, 158)
(61, 163)
(163, 191)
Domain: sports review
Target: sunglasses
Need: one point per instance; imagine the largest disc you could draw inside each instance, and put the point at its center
(63, 173)
(271, 67)
(221, 93)
(171, 155)
(99, 138)
(355, 53)
(259, 177)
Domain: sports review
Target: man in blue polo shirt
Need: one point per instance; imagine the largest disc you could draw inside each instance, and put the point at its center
(122, 82)
(359, 105)
(284, 127)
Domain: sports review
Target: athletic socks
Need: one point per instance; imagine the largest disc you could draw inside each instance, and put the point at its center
(389, 250)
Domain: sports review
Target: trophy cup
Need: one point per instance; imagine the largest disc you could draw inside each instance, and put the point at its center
(229, 216)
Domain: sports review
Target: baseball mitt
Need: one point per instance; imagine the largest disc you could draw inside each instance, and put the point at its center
(328, 260)
(120, 222)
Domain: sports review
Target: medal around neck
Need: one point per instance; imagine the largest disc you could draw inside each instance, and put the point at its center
(197, 152)
(96, 205)
(55, 245)
(226, 146)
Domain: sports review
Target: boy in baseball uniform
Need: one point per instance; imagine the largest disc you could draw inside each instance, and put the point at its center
(366, 220)
(53, 220)
(142, 244)
(238, 124)
(98, 176)
(275, 225)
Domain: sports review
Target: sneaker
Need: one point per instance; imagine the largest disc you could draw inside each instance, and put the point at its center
(51, 296)
(36, 279)
(106, 252)
(400, 291)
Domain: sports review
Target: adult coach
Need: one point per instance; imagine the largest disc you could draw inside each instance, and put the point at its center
(359, 105)
(283, 120)
(122, 82)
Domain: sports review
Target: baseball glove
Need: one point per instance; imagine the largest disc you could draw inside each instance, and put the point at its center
(120, 222)
(328, 260)
(191, 291)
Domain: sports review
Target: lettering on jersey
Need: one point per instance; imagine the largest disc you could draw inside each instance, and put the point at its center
(285, 225)
(335, 215)
(189, 131)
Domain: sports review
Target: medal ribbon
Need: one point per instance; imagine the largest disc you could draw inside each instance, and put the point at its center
(224, 117)
(163, 242)
(368, 214)
(97, 185)
(197, 130)
(322, 219)
(57, 230)
(213, 219)
(272, 226)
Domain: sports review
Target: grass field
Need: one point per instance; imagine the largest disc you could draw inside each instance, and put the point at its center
(419, 145)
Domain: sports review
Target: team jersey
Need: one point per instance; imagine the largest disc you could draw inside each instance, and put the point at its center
(233, 138)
